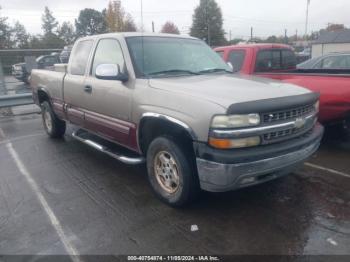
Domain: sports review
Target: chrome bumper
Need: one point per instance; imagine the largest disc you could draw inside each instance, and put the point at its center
(217, 177)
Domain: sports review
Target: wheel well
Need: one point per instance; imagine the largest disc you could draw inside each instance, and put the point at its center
(150, 128)
(43, 96)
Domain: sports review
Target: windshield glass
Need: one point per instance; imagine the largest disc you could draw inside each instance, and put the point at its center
(169, 56)
(39, 58)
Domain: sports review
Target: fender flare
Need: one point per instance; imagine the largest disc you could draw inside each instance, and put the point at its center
(44, 90)
(167, 118)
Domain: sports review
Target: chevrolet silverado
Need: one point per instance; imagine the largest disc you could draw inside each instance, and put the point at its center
(171, 102)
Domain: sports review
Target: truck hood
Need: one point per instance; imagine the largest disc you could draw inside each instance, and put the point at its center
(227, 89)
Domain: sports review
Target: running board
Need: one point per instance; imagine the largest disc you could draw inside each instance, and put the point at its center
(104, 149)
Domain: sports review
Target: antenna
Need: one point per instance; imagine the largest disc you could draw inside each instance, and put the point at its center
(141, 16)
(142, 40)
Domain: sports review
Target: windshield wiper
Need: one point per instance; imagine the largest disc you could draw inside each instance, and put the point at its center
(214, 70)
(181, 71)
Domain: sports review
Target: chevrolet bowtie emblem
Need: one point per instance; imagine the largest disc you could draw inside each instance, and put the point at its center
(300, 122)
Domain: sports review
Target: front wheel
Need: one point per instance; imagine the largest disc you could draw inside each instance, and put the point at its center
(171, 172)
(54, 126)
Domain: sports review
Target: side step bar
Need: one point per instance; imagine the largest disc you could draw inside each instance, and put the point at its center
(124, 159)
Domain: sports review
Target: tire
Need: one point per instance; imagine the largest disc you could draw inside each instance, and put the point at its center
(171, 172)
(54, 126)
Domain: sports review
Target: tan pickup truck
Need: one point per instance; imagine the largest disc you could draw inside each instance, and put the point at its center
(171, 101)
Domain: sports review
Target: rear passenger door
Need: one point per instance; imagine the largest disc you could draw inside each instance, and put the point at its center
(74, 83)
(108, 105)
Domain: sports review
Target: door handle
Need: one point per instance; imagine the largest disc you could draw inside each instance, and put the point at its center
(88, 89)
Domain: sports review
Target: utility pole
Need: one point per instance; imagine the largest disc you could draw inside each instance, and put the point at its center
(152, 26)
(230, 35)
(285, 36)
(307, 17)
(208, 24)
(296, 35)
(251, 34)
(3, 90)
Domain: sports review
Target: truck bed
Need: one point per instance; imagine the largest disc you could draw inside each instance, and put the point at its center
(40, 79)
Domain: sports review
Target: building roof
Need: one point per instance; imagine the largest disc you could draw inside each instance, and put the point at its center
(335, 37)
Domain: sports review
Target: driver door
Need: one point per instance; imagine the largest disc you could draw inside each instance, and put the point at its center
(108, 102)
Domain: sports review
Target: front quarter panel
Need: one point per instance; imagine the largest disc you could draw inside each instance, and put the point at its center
(193, 112)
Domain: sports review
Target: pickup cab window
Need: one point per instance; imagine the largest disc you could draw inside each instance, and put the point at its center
(275, 59)
(236, 58)
(108, 51)
(80, 57)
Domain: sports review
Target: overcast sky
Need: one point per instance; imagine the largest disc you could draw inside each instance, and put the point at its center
(268, 17)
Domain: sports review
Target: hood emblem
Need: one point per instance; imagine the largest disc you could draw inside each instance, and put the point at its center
(300, 122)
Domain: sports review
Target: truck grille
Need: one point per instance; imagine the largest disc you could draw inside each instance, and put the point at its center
(287, 114)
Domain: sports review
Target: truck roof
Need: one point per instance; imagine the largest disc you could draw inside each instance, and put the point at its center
(135, 34)
(254, 46)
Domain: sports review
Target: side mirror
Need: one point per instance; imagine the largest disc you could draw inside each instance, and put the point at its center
(110, 72)
(231, 66)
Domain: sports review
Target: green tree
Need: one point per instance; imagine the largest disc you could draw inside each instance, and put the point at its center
(35, 42)
(49, 23)
(52, 41)
(5, 33)
(170, 28)
(67, 33)
(90, 22)
(235, 41)
(20, 36)
(207, 23)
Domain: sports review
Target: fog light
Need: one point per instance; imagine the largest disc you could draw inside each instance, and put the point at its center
(248, 180)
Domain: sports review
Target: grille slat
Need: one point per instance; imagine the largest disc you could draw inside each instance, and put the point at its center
(287, 114)
(283, 116)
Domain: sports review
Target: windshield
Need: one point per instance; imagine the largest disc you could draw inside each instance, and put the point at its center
(308, 64)
(39, 58)
(169, 56)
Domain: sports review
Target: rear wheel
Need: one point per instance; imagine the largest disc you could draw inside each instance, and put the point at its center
(54, 126)
(171, 172)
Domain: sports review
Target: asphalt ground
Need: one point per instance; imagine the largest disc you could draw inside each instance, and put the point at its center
(62, 197)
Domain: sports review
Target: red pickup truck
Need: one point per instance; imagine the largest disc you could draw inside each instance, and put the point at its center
(278, 61)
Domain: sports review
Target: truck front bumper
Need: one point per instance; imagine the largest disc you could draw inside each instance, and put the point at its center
(225, 171)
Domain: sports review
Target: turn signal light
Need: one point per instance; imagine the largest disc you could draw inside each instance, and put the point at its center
(234, 143)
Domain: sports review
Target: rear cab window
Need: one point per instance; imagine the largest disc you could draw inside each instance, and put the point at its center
(80, 57)
(275, 60)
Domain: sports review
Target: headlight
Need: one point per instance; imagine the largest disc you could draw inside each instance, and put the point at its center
(234, 143)
(235, 121)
